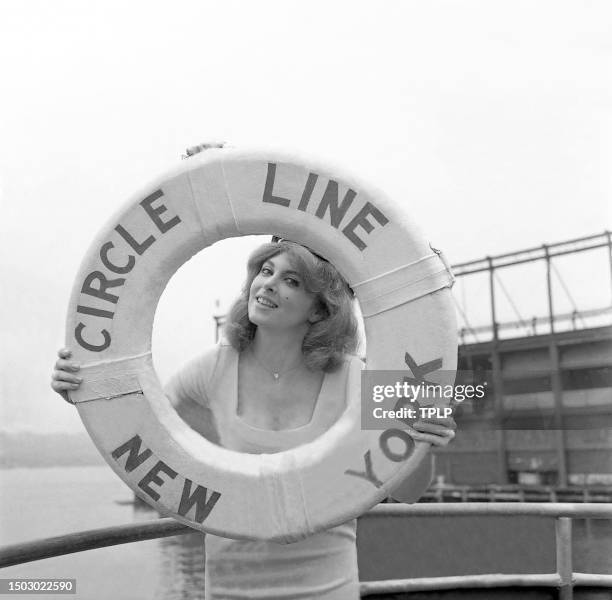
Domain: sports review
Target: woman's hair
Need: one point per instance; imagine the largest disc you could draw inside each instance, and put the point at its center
(327, 340)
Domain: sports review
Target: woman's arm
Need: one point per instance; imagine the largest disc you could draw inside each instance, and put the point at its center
(187, 391)
(438, 433)
(412, 488)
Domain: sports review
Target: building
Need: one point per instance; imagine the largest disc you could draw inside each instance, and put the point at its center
(547, 415)
(547, 418)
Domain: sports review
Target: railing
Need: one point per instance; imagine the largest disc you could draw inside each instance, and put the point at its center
(530, 326)
(516, 493)
(564, 579)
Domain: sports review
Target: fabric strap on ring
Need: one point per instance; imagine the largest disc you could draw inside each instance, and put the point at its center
(285, 497)
(404, 284)
(110, 379)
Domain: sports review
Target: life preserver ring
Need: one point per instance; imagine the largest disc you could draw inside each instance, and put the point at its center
(401, 284)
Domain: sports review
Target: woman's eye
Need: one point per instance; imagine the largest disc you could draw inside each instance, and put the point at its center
(266, 271)
(292, 282)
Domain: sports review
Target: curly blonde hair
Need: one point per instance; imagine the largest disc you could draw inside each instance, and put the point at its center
(328, 340)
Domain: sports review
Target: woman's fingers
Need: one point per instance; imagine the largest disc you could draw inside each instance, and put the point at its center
(60, 385)
(446, 421)
(65, 376)
(61, 364)
(432, 438)
(434, 433)
(64, 386)
(434, 427)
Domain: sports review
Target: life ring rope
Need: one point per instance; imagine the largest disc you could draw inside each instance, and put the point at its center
(403, 284)
(287, 498)
(109, 379)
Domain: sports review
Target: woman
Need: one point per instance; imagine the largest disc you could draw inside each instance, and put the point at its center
(278, 380)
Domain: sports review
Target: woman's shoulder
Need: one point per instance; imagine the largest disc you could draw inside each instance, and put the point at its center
(200, 370)
(208, 360)
(352, 362)
(350, 374)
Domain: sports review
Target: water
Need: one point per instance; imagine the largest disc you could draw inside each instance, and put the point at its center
(39, 503)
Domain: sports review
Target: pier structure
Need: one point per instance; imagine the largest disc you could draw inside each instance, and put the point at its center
(546, 419)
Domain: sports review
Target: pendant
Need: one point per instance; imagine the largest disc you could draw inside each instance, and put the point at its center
(276, 376)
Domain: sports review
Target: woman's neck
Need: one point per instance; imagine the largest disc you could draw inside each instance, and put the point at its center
(278, 350)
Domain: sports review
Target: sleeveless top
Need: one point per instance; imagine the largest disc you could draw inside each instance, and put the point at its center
(323, 566)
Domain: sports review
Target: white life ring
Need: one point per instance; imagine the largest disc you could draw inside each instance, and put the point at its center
(403, 291)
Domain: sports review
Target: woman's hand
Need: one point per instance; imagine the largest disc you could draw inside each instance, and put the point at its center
(64, 376)
(438, 432)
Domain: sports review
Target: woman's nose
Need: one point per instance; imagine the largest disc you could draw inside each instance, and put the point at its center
(270, 283)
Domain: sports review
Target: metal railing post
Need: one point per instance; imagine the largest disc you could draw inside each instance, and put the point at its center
(557, 391)
(608, 235)
(492, 298)
(502, 466)
(563, 541)
(551, 313)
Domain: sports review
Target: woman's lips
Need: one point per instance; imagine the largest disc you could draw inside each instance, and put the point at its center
(265, 302)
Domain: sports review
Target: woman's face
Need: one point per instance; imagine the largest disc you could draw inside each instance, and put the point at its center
(278, 298)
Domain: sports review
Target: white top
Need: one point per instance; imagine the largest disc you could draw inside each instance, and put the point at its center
(323, 566)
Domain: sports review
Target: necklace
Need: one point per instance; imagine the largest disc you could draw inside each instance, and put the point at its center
(275, 374)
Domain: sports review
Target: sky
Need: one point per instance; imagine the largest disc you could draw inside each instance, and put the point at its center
(490, 123)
